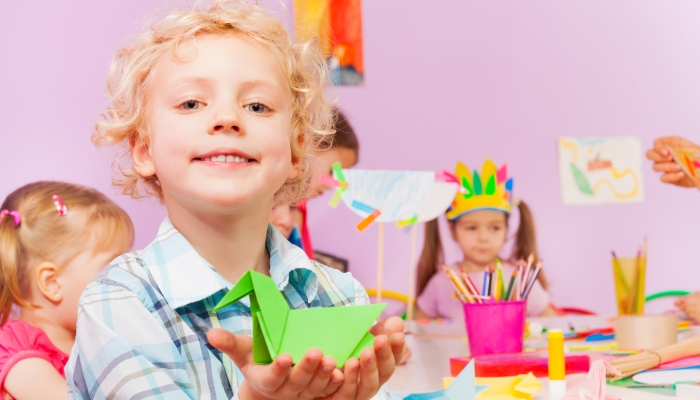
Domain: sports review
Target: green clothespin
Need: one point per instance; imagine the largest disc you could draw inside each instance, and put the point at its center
(339, 332)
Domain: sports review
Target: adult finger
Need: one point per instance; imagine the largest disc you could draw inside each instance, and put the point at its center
(657, 155)
(369, 375)
(319, 382)
(304, 371)
(666, 167)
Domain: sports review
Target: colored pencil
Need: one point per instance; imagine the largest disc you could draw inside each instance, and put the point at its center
(457, 290)
(526, 275)
(510, 285)
(470, 285)
(533, 279)
(501, 285)
(485, 290)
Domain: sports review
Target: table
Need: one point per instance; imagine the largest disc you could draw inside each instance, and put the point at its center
(433, 345)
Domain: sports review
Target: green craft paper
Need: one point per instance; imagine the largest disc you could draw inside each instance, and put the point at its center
(491, 186)
(468, 187)
(336, 197)
(340, 332)
(477, 183)
(338, 171)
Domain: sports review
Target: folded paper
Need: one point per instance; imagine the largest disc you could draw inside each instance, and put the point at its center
(506, 388)
(339, 332)
(596, 383)
(461, 388)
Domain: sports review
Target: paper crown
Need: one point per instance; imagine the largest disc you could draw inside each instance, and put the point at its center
(493, 190)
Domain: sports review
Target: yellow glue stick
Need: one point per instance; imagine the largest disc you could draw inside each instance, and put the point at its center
(557, 364)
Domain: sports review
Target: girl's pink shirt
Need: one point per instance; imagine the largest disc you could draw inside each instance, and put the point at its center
(19, 340)
(436, 300)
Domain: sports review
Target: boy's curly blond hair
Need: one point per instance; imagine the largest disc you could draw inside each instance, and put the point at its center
(124, 122)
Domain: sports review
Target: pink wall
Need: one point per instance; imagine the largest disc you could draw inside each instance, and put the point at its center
(462, 81)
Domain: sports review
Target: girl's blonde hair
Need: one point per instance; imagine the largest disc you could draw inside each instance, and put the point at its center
(125, 122)
(45, 235)
(432, 256)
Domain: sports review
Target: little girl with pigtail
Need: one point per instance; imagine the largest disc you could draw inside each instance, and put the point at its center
(478, 222)
(54, 238)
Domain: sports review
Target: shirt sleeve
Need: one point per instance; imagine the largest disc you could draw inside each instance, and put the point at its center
(122, 351)
(427, 302)
(537, 300)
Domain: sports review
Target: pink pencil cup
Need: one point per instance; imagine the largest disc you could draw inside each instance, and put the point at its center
(495, 328)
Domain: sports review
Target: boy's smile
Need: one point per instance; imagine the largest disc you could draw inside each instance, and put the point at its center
(219, 125)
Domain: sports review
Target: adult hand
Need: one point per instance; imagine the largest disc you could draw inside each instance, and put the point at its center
(690, 305)
(314, 376)
(671, 172)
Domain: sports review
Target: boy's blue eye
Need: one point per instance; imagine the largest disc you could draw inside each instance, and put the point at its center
(190, 105)
(257, 108)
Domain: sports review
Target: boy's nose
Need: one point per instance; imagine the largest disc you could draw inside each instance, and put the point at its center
(227, 123)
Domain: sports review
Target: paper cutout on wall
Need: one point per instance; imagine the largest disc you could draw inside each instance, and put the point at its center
(340, 332)
(399, 195)
(600, 170)
(338, 26)
(461, 388)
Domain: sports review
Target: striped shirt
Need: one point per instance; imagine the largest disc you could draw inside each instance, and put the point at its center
(143, 321)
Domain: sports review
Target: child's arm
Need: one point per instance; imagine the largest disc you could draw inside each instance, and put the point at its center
(35, 378)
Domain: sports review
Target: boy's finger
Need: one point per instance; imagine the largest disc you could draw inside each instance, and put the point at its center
(386, 363)
(238, 347)
(337, 378)
(351, 373)
(319, 382)
(274, 375)
(398, 347)
(369, 377)
(387, 327)
(304, 371)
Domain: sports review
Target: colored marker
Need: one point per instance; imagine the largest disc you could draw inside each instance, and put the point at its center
(557, 364)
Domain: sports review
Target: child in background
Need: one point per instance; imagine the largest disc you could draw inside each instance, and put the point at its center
(478, 222)
(218, 110)
(48, 254)
(343, 148)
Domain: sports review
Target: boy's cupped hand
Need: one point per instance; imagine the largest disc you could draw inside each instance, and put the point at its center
(315, 376)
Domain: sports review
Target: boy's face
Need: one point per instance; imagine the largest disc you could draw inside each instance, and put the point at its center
(220, 126)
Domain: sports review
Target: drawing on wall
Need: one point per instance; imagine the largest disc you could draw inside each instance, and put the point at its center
(600, 170)
(338, 25)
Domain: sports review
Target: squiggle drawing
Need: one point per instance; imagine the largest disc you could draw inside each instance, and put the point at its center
(613, 164)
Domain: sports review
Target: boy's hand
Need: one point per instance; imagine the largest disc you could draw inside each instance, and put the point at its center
(375, 365)
(314, 376)
(690, 305)
(663, 161)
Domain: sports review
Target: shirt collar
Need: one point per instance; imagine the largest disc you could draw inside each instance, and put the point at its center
(184, 277)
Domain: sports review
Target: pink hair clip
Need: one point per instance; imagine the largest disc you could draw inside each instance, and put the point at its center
(14, 214)
(60, 205)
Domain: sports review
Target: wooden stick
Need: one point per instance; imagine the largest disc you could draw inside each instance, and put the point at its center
(380, 262)
(411, 277)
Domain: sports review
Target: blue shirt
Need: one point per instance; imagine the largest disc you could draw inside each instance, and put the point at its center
(143, 321)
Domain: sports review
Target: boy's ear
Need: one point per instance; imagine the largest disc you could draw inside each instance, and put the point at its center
(143, 160)
(297, 162)
(47, 281)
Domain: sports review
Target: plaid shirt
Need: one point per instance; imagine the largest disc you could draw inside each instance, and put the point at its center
(143, 321)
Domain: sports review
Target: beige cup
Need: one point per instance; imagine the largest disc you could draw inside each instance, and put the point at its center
(645, 332)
